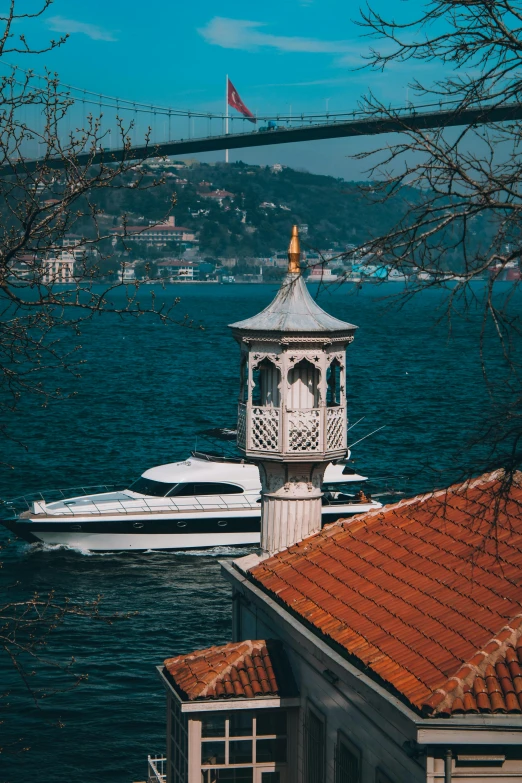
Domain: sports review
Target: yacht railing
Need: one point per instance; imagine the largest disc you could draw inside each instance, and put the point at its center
(144, 505)
(25, 502)
(37, 504)
(157, 769)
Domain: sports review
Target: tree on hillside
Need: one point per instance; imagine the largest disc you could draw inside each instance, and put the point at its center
(466, 220)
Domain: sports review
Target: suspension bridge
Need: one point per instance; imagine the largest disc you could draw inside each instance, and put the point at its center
(268, 130)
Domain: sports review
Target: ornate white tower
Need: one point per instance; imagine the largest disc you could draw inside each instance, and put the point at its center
(292, 407)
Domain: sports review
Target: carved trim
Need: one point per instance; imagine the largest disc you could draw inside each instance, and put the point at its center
(258, 357)
(319, 339)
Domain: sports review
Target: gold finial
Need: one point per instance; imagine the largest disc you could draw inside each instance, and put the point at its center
(294, 252)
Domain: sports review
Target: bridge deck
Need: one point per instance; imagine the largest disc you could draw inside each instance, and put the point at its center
(366, 126)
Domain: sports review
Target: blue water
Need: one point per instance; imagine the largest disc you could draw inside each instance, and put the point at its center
(145, 393)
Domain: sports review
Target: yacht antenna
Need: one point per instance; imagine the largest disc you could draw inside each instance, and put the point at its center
(357, 422)
(366, 436)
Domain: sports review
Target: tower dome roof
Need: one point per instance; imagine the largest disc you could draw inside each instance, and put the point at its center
(293, 309)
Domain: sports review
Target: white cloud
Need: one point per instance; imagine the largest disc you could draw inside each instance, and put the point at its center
(243, 34)
(59, 24)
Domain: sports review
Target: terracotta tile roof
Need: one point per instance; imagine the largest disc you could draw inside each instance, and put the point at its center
(240, 669)
(413, 590)
(490, 682)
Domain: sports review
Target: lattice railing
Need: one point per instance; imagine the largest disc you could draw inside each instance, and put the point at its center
(241, 425)
(335, 428)
(312, 430)
(265, 429)
(303, 430)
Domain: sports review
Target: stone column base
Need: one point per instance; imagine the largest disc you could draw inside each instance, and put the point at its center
(291, 503)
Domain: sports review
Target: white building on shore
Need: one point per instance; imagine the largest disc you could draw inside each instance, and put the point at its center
(58, 269)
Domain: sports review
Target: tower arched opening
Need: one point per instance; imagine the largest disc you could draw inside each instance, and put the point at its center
(266, 385)
(303, 386)
(333, 384)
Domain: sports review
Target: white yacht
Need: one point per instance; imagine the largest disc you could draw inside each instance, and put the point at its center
(204, 501)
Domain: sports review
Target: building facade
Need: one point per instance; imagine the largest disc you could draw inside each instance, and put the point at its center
(179, 271)
(156, 235)
(402, 633)
(58, 269)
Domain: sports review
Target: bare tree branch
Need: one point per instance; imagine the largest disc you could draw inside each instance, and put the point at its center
(462, 190)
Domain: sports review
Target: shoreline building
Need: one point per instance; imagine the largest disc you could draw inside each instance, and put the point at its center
(58, 269)
(156, 235)
(178, 270)
(386, 648)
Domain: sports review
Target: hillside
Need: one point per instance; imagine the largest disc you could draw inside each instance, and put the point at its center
(254, 220)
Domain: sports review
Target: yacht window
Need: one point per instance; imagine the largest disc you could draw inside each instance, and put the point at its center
(145, 486)
(351, 487)
(206, 489)
(182, 489)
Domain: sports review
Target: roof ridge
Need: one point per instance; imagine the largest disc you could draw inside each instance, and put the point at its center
(458, 684)
(368, 516)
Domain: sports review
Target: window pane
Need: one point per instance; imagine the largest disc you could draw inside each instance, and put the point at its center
(218, 489)
(146, 486)
(240, 752)
(347, 765)
(212, 752)
(240, 724)
(271, 750)
(183, 490)
(270, 777)
(213, 725)
(270, 722)
(227, 776)
(314, 748)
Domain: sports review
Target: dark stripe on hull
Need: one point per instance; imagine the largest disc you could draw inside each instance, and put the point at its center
(28, 529)
(22, 531)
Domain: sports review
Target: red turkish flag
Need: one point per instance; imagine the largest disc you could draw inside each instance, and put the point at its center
(235, 101)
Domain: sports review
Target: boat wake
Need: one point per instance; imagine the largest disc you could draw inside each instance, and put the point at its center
(217, 551)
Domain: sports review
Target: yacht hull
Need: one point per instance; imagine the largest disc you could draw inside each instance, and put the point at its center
(140, 532)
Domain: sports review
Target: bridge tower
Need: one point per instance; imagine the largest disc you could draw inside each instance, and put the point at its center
(292, 409)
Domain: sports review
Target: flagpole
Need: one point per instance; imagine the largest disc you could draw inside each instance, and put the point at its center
(226, 116)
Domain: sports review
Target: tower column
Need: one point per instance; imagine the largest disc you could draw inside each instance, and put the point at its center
(291, 503)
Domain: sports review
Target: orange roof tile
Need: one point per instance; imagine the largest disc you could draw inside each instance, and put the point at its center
(413, 590)
(239, 669)
(490, 682)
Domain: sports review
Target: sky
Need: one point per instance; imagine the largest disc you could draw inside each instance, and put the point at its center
(289, 56)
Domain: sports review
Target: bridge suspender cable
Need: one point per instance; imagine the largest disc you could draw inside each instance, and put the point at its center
(226, 116)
